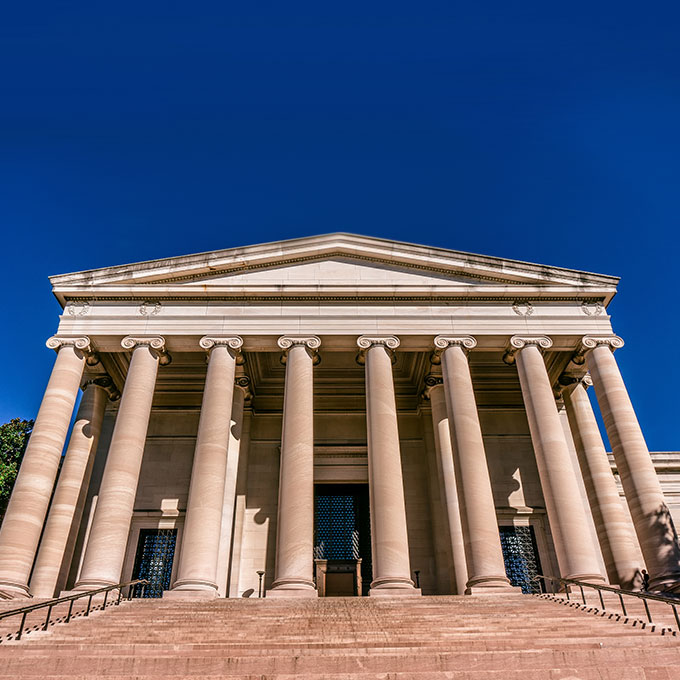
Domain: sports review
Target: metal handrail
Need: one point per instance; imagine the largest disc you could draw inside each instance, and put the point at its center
(50, 604)
(644, 596)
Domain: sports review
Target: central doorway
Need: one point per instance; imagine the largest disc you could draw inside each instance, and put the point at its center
(342, 539)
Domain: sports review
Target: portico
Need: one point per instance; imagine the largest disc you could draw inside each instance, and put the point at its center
(220, 390)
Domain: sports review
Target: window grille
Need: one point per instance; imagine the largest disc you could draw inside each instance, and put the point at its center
(153, 562)
(520, 554)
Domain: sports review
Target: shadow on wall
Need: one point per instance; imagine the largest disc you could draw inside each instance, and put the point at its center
(668, 536)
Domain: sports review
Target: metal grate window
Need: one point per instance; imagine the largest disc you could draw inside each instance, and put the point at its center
(153, 562)
(342, 528)
(337, 537)
(521, 557)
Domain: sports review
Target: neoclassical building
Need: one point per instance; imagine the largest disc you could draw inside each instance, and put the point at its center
(336, 415)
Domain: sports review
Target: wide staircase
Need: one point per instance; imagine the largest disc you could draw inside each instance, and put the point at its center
(514, 637)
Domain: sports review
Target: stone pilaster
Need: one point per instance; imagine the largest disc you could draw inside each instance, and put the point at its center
(390, 555)
(105, 550)
(485, 566)
(568, 523)
(23, 522)
(652, 519)
(294, 575)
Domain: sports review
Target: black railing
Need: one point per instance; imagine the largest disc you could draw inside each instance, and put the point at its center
(672, 602)
(71, 599)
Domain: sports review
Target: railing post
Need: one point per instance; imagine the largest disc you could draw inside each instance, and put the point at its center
(583, 595)
(106, 596)
(599, 592)
(623, 606)
(89, 604)
(70, 610)
(649, 615)
(677, 618)
(21, 626)
(47, 618)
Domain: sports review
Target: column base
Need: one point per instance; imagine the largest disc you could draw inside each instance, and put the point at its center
(189, 594)
(493, 590)
(392, 586)
(489, 585)
(10, 590)
(291, 592)
(669, 583)
(394, 592)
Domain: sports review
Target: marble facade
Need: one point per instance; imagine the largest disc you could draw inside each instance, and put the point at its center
(218, 389)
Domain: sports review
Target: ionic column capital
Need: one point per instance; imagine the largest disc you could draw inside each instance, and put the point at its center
(590, 342)
(310, 342)
(244, 383)
(570, 381)
(432, 380)
(365, 342)
(82, 343)
(156, 344)
(105, 382)
(443, 342)
(519, 342)
(233, 343)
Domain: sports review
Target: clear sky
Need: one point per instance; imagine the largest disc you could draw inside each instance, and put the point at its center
(546, 132)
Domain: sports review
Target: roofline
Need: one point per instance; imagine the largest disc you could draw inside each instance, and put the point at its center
(57, 279)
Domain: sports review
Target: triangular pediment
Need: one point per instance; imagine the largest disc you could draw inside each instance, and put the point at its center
(336, 271)
(340, 264)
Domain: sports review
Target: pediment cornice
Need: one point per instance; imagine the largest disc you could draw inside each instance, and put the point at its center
(434, 273)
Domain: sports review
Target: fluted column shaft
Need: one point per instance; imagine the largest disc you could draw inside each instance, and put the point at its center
(613, 527)
(389, 538)
(69, 497)
(485, 565)
(295, 527)
(197, 570)
(651, 517)
(23, 522)
(105, 550)
(442, 440)
(568, 523)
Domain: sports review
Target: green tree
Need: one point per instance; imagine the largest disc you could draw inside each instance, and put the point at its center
(13, 440)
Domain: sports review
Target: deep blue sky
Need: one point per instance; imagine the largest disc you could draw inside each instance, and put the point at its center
(538, 131)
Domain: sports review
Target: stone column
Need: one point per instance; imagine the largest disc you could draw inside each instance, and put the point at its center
(295, 528)
(613, 527)
(652, 519)
(485, 565)
(442, 442)
(66, 509)
(23, 522)
(568, 523)
(241, 393)
(197, 570)
(105, 550)
(391, 566)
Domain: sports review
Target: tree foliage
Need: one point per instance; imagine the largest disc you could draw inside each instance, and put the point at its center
(13, 440)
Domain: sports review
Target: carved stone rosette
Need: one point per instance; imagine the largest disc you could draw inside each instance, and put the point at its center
(156, 344)
(365, 342)
(82, 343)
(234, 343)
(310, 342)
(443, 342)
(519, 342)
(589, 342)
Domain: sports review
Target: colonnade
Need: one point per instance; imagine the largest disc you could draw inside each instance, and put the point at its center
(462, 462)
